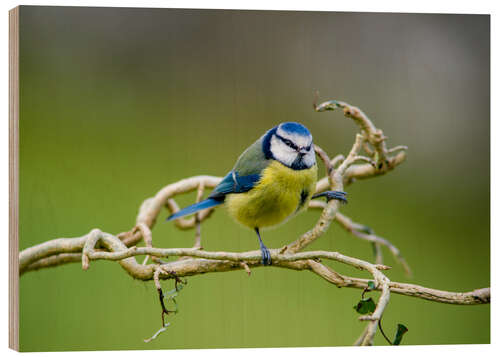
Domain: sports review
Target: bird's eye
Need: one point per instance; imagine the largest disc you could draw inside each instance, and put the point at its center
(287, 142)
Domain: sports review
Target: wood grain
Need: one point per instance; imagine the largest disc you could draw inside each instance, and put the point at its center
(14, 178)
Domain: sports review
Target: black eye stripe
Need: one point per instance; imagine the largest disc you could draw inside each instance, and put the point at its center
(287, 142)
(290, 143)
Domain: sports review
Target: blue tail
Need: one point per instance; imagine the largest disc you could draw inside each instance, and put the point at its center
(209, 202)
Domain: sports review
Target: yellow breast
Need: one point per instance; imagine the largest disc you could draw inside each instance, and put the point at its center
(280, 193)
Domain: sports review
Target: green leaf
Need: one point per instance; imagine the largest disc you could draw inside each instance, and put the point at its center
(371, 285)
(365, 306)
(399, 334)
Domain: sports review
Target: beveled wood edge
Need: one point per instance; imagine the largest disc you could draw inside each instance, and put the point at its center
(14, 178)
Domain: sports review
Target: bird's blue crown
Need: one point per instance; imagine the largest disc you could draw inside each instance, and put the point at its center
(294, 128)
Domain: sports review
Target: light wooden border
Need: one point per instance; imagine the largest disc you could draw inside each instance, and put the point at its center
(14, 178)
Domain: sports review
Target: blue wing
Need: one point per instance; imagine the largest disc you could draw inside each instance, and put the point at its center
(232, 183)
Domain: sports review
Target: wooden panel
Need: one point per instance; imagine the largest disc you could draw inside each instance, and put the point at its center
(14, 178)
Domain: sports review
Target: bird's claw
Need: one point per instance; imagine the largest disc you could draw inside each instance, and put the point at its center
(336, 195)
(333, 195)
(266, 255)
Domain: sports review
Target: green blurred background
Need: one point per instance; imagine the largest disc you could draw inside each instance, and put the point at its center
(117, 103)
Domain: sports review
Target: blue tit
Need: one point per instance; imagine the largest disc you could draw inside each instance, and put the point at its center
(271, 182)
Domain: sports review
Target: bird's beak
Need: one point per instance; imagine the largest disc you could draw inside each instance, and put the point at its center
(302, 151)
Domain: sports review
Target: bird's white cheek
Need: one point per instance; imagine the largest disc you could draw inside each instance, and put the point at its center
(310, 159)
(282, 152)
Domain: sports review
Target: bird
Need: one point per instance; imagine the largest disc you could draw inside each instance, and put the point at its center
(272, 181)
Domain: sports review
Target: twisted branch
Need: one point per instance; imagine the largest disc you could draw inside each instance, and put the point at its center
(340, 172)
(208, 262)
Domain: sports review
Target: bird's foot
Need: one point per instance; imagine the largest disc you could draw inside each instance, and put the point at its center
(266, 255)
(332, 195)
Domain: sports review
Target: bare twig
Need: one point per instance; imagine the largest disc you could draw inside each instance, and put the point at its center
(366, 233)
(207, 262)
(377, 314)
(246, 267)
(197, 218)
(341, 171)
(337, 160)
(373, 135)
(147, 235)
